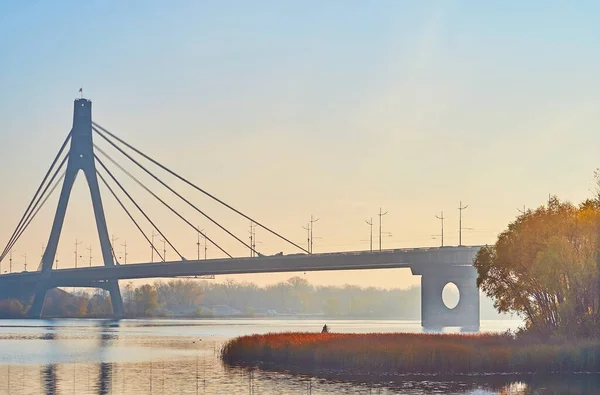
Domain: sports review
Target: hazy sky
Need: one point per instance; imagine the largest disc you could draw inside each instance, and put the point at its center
(287, 109)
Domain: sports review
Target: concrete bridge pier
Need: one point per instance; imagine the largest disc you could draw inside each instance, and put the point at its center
(434, 313)
(37, 306)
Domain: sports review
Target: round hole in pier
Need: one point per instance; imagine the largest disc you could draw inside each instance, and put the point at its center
(450, 295)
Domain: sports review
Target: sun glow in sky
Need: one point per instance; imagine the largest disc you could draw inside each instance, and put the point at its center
(290, 109)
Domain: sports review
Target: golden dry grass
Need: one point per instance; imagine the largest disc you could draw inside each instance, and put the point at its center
(403, 353)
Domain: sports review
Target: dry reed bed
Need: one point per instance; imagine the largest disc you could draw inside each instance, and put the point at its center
(403, 353)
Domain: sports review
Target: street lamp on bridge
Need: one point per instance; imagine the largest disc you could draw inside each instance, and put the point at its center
(442, 218)
(370, 223)
(309, 234)
(124, 245)
(380, 231)
(460, 228)
(76, 254)
(312, 221)
(10, 261)
(164, 250)
(90, 251)
(198, 242)
(252, 239)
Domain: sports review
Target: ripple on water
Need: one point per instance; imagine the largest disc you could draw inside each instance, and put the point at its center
(182, 357)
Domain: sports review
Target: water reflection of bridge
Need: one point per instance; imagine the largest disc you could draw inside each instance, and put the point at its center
(200, 371)
(103, 383)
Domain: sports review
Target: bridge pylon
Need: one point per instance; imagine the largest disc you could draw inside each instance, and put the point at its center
(80, 157)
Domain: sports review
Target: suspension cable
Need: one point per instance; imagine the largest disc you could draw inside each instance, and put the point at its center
(34, 209)
(160, 200)
(173, 191)
(138, 206)
(27, 211)
(60, 179)
(192, 185)
(128, 214)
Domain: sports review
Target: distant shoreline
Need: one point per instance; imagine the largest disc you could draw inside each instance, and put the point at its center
(246, 317)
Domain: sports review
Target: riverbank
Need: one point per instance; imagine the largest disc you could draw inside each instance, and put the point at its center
(385, 354)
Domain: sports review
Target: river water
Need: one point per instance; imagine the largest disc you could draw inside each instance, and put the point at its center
(182, 357)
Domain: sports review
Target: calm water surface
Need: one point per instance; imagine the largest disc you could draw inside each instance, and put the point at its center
(182, 357)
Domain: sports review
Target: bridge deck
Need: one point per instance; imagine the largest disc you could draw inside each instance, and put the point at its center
(417, 259)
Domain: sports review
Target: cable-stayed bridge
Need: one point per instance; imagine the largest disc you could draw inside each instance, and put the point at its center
(436, 266)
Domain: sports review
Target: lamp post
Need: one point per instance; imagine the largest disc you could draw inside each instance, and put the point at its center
(90, 251)
(164, 250)
(152, 247)
(380, 231)
(76, 254)
(10, 261)
(198, 242)
(442, 218)
(460, 228)
(312, 221)
(370, 223)
(252, 238)
(124, 245)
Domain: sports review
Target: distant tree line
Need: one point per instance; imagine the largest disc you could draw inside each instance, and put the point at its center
(196, 298)
(207, 298)
(298, 296)
(295, 296)
(60, 303)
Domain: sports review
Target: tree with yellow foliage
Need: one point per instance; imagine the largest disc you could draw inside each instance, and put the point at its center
(145, 300)
(544, 267)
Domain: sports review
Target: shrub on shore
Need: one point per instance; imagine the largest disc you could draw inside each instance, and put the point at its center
(11, 308)
(402, 353)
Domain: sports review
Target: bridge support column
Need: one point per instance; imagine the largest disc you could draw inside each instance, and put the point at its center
(35, 311)
(80, 158)
(434, 313)
(116, 300)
